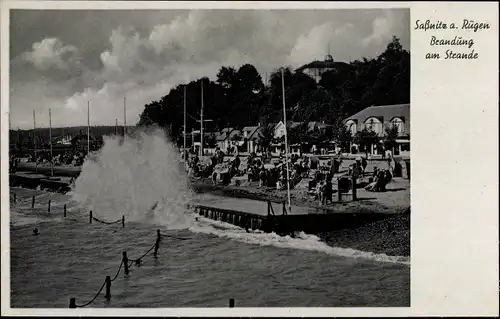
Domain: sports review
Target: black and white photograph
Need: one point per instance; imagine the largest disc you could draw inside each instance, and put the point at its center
(209, 158)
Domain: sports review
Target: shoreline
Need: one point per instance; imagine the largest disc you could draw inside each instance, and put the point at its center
(390, 236)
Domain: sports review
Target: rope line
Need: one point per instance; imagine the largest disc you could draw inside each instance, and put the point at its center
(91, 301)
(105, 222)
(135, 260)
(118, 272)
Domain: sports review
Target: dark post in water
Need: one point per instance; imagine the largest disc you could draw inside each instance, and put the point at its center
(64, 210)
(50, 202)
(157, 243)
(108, 287)
(90, 218)
(33, 202)
(72, 303)
(123, 221)
(231, 303)
(125, 262)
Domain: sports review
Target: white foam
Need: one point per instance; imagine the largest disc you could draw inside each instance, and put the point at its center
(301, 241)
(140, 177)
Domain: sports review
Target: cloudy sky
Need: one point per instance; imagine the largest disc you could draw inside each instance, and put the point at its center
(62, 59)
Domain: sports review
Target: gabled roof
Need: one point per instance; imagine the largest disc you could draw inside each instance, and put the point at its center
(226, 133)
(251, 130)
(223, 134)
(387, 112)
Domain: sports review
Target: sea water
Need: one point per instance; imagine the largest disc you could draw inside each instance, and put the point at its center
(202, 264)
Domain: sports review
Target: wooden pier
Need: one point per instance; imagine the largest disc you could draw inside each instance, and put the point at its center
(288, 224)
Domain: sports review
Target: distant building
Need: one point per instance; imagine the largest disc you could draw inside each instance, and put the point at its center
(225, 139)
(80, 142)
(62, 140)
(378, 118)
(251, 137)
(316, 68)
(279, 133)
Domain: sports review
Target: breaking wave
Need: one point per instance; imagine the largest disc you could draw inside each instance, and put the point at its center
(140, 177)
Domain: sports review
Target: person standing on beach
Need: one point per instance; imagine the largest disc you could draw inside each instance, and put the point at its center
(214, 178)
(364, 163)
(262, 176)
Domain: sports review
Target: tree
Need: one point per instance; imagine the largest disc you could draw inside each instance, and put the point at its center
(391, 134)
(227, 77)
(342, 135)
(238, 97)
(266, 136)
(366, 138)
(299, 135)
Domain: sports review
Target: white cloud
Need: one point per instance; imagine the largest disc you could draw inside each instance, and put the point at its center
(383, 28)
(143, 65)
(51, 53)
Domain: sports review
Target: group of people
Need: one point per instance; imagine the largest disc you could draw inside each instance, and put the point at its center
(380, 178)
(324, 189)
(69, 157)
(276, 174)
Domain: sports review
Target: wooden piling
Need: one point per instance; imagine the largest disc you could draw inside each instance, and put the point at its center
(125, 262)
(108, 288)
(33, 202)
(90, 218)
(123, 221)
(72, 303)
(231, 303)
(157, 243)
(50, 202)
(15, 197)
(64, 210)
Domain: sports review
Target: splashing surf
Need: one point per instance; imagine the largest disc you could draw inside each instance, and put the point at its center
(142, 178)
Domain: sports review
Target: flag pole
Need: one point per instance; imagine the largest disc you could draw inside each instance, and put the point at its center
(201, 122)
(286, 140)
(124, 116)
(88, 127)
(50, 141)
(185, 121)
(34, 141)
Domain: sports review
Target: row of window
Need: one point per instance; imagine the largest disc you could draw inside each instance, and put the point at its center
(374, 124)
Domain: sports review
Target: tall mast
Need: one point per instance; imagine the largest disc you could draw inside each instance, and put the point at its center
(50, 141)
(286, 140)
(185, 123)
(88, 127)
(201, 121)
(124, 116)
(34, 141)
